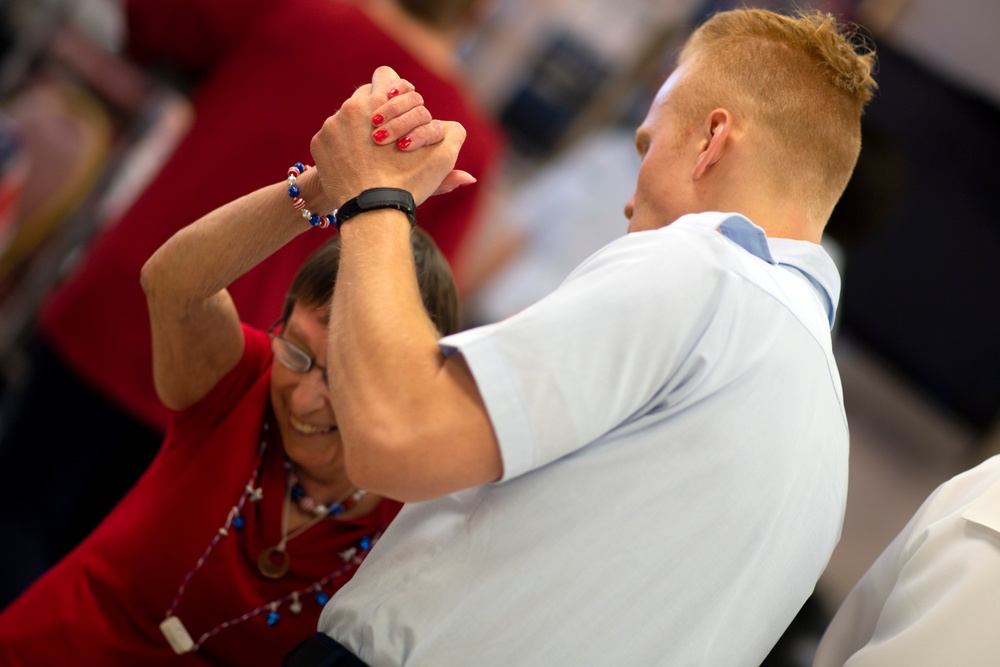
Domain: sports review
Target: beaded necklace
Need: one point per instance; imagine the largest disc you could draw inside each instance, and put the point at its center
(172, 627)
(308, 505)
(273, 562)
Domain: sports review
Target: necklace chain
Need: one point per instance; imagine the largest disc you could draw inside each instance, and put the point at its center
(352, 557)
(273, 562)
(287, 537)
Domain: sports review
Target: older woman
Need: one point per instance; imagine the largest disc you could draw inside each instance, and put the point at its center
(226, 549)
(266, 74)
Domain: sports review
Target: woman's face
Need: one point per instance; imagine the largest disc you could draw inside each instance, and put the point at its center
(302, 400)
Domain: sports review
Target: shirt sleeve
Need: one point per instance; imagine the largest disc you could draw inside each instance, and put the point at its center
(929, 598)
(593, 355)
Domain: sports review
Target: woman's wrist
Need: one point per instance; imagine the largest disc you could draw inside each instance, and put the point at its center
(307, 196)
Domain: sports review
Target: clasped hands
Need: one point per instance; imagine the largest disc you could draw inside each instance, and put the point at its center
(357, 149)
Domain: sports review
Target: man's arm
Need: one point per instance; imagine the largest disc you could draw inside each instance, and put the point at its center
(413, 422)
(196, 331)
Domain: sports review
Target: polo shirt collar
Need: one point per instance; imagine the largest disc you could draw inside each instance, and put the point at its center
(807, 259)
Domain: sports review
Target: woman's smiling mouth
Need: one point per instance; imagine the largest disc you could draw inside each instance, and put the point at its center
(309, 429)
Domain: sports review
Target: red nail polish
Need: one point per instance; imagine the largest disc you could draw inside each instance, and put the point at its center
(393, 93)
(404, 142)
(378, 119)
(379, 136)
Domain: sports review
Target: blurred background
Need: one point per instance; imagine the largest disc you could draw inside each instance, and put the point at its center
(82, 129)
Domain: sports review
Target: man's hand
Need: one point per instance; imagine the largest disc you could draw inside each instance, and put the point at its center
(357, 147)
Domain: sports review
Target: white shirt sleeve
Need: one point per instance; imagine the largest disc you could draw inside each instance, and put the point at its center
(931, 597)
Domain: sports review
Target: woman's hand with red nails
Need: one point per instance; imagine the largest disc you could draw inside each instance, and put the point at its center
(350, 160)
(404, 120)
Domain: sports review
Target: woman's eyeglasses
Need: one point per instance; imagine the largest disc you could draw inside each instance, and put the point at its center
(291, 356)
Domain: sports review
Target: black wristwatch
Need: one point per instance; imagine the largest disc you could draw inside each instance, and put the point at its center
(375, 198)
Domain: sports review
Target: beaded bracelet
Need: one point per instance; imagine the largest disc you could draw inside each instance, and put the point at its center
(315, 219)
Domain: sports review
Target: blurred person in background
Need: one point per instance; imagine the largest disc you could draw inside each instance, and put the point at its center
(929, 599)
(549, 224)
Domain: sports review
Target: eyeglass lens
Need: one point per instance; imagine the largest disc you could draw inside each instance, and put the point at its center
(292, 356)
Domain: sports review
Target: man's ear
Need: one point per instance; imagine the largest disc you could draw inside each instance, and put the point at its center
(717, 126)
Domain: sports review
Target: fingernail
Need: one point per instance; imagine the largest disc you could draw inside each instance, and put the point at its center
(378, 119)
(393, 93)
(404, 142)
(379, 136)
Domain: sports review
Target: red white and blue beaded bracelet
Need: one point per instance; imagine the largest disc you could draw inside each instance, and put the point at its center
(315, 219)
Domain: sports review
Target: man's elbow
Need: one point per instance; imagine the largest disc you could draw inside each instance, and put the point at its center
(383, 465)
(412, 466)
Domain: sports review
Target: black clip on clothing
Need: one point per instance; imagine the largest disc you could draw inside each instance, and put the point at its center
(321, 650)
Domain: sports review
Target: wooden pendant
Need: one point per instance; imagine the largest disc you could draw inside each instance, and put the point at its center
(273, 562)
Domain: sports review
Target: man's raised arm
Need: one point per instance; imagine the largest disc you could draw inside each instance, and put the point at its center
(413, 422)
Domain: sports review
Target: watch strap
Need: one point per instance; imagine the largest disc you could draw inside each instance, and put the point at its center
(376, 198)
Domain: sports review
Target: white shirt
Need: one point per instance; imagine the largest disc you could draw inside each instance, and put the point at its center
(675, 469)
(933, 597)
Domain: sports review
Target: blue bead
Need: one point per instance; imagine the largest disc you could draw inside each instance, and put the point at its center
(301, 167)
(298, 493)
(273, 618)
(365, 543)
(315, 220)
(336, 509)
(293, 191)
(238, 522)
(322, 598)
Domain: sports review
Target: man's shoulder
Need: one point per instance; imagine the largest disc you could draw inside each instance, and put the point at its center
(677, 241)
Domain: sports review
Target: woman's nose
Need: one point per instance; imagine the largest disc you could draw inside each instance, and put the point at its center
(311, 390)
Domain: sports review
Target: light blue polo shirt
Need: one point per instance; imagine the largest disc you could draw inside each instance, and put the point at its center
(675, 468)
